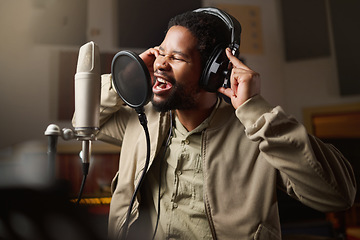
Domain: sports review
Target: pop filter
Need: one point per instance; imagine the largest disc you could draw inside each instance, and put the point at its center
(132, 82)
(131, 79)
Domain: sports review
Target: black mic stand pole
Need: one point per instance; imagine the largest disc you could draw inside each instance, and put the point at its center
(53, 132)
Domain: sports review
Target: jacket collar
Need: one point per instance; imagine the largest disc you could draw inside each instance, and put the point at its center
(224, 113)
(159, 123)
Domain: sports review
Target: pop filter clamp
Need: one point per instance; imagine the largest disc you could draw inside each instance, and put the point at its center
(132, 82)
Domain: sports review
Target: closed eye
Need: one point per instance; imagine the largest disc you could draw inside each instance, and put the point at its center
(171, 57)
(175, 55)
(177, 59)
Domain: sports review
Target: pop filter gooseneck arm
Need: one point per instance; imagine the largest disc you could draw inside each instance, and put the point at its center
(132, 82)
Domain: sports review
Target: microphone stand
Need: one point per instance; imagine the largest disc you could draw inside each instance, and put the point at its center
(53, 132)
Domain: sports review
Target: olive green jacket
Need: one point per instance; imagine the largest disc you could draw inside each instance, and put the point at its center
(247, 154)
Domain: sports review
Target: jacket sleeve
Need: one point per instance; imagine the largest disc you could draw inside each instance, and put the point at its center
(113, 113)
(311, 171)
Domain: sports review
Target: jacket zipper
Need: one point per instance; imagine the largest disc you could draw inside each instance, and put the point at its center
(208, 215)
(206, 201)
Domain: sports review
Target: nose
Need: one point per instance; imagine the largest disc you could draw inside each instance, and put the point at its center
(161, 62)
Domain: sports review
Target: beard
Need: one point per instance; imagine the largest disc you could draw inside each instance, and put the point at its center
(180, 98)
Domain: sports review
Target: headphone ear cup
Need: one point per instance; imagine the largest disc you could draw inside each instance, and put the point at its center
(215, 70)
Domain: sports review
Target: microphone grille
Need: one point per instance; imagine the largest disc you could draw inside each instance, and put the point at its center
(86, 58)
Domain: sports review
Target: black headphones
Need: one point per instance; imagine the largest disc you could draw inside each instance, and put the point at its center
(216, 70)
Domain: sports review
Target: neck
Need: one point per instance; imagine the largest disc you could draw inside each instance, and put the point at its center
(191, 118)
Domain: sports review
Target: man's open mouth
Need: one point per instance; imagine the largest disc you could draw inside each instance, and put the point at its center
(161, 85)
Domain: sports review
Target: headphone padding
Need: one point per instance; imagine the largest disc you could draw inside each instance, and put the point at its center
(213, 74)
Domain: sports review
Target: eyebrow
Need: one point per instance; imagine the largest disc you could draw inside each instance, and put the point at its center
(176, 52)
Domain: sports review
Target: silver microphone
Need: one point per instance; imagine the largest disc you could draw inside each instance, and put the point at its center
(87, 91)
(87, 96)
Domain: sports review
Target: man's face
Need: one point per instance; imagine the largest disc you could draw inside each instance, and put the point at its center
(177, 71)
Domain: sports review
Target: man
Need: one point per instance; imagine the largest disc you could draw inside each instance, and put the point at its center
(216, 175)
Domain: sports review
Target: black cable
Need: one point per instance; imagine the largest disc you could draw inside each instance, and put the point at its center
(143, 121)
(158, 203)
(85, 170)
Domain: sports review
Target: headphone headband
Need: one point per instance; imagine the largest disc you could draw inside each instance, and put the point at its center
(217, 69)
(231, 22)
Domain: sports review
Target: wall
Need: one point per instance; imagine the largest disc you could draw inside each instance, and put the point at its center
(293, 85)
(314, 82)
(24, 76)
(29, 70)
(29, 65)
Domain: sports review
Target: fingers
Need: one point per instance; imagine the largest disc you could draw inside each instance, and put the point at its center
(149, 57)
(150, 54)
(235, 61)
(226, 91)
(245, 83)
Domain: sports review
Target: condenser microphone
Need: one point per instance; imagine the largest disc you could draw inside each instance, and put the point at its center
(87, 91)
(87, 96)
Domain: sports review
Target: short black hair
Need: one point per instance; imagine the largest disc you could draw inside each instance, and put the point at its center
(209, 30)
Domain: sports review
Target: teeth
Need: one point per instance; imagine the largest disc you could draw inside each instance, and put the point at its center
(161, 80)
